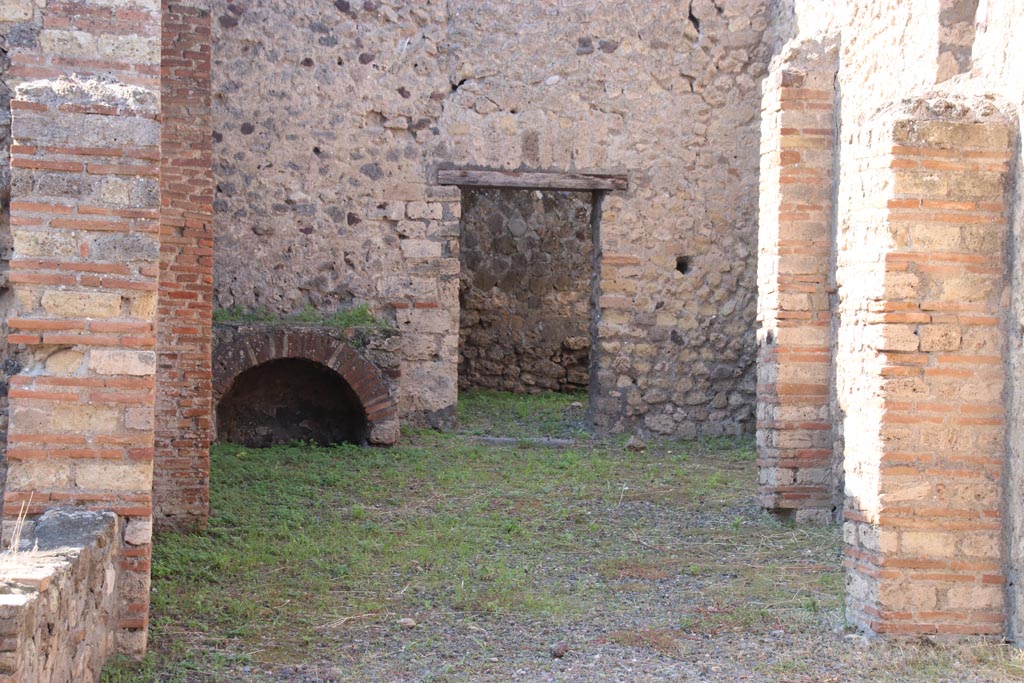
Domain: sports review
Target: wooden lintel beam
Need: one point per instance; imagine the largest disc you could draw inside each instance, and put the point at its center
(528, 180)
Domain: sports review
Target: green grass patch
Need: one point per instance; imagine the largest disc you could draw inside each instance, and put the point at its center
(308, 545)
(525, 416)
(347, 318)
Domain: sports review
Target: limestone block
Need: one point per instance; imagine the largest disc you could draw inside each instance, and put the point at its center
(140, 49)
(70, 43)
(907, 596)
(122, 362)
(138, 531)
(975, 597)
(101, 475)
(940, 337)
(40, 243)
(65, 362)
(432, 321)
(16, 10)
(969, 288)
(64, 418)
(385, 433)
(981, 544)
(897, 338)
(129, 192)
(151, 5)
(958, 136)
(143, 306)
(31, 475)
(65, 304)
(121, 248)
(140, 418)
(931, 544)
(420, 249)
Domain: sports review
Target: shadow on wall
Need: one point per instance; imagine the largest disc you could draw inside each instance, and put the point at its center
(288, 400)
(9, 366)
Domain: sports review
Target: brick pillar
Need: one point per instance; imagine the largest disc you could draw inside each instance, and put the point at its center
(794, 428)
(922, 286)
(84, 222)
(184, 410)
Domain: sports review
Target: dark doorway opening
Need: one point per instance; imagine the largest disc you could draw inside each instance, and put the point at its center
(288, 400)
(525, 290)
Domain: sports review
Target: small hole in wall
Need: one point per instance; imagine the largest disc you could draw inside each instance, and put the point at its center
(683, 264)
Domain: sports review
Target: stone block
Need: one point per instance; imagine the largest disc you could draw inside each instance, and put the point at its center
(931, 544)
(897, 338)
(907, 596)
(138, 531)
(975, 597)
(981, 545)
(134, 49)
(121, 248)
(86, 130)
(420, 248)
(969, 288)
(101, 475)
(16, 10)
(958, 136)
(64, 418)
(940, 337)
(68, 304)
(33, 475)
(129, 192)
(65, 362)
(122, 362)
(143, 306)
(44, 243)
(139, 418)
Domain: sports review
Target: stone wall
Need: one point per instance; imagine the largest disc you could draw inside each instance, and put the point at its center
(84, 216)
(923, 328)
(924, 206)
(328, 130)
(919, 354)
(795, 434)
(524, 290)
(998, 63)
(59, 601)
(19, 28)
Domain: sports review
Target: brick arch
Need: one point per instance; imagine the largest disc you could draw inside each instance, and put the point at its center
(239, 348)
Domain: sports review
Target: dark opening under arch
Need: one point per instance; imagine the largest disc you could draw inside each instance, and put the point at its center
(291, 399)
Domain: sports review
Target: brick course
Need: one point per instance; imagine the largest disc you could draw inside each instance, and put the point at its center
(924, 479)
(184, 407)
(84, 272)
(794, 428)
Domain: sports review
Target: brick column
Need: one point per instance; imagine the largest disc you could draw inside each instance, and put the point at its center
(923, 281)
(84, 270)
(184, 410)
(794, 429)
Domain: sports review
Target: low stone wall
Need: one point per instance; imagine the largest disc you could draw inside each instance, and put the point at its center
(58, 603)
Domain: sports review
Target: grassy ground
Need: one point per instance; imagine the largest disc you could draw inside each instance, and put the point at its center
(314, 556)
